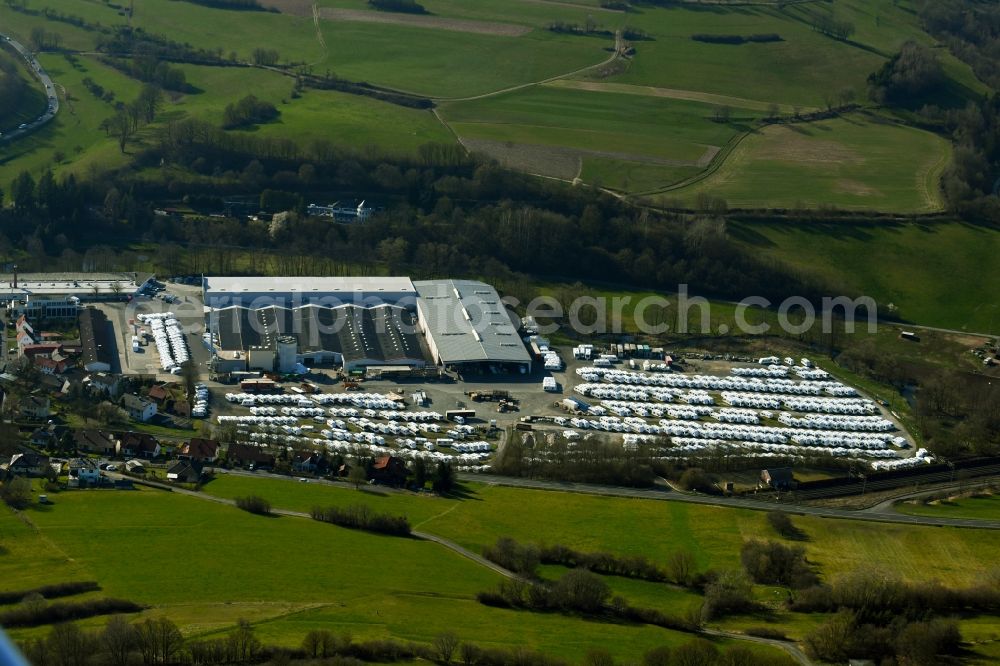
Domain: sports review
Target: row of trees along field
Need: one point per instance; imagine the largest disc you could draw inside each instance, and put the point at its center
(971, 31)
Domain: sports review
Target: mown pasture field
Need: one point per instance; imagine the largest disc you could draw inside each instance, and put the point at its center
(854, 162)
(602, 128)
(936, 274)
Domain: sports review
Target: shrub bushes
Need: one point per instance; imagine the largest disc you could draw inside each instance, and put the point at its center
(783, 525)
(248, 111)
(360, 517)
(33, 615)
(634, 566)
(405, 6)
(736, 39)
(508, 553)
(51, 591)
(773, 563)
(726, 593)
(254, 504)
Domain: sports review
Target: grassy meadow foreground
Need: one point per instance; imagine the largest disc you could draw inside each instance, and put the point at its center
(205, 565)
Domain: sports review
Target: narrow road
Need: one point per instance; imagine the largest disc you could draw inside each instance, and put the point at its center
(731, 502)
(50, 92)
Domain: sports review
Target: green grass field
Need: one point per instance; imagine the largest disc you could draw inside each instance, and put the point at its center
(74, 132)
(652, 528)
(856, 162)
(616, 134)
(206, 565)
(935, 274)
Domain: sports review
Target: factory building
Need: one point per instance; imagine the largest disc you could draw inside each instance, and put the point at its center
(41, 296)
(293, 292)
(468, 327)
(256, 322)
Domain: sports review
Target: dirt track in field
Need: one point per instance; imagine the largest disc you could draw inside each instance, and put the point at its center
(420, 21)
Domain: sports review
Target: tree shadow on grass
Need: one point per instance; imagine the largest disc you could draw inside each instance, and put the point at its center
(462, 492)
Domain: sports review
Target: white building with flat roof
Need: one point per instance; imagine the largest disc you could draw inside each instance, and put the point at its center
(291, 292)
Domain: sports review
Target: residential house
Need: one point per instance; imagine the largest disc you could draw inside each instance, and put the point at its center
(170, 398)
(46, 436)
(305, 461)
(29, 464)
(105, 384)
(135, 467)
(56, 364)
(94, 441)
(137, 445)
(184, 471)
(779, 478)
(24, 339)
(389, 470)
(83, 473)
(199, 450)
(244, 455)
(39, 350)
(31, 407)
(138, 408)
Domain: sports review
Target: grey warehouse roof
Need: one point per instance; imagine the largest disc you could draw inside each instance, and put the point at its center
(467, 322)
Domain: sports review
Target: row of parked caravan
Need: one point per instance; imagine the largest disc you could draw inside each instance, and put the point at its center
(921, 457)
(734, 415)
(752, 400)
(623, 392)
(169, 340)
(837, 422)
(693, 445)
(200, 409)
(851, 406)
(769, 371)
(363, 400)
(707, 382)
(254, 399)
(833, 438)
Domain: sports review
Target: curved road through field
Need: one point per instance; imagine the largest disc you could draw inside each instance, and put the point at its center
(50, 92)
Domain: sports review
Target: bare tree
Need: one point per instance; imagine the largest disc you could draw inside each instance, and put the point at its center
(445, 645)
(358, 474)
(119, 640)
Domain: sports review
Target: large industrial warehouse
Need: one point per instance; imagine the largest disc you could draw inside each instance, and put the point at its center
(466, 325)
(275, 323)
(290, 292)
